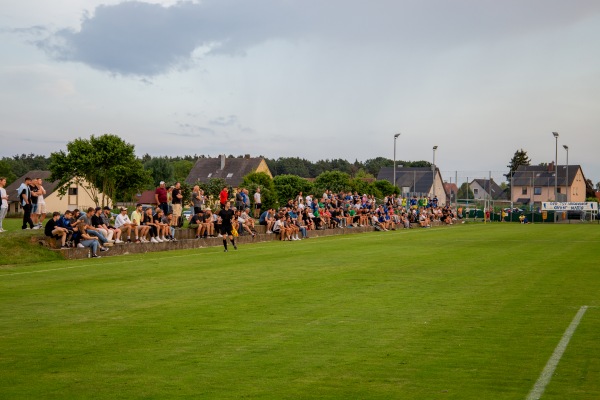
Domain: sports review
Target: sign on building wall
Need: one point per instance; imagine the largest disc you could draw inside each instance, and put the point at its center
(569, 206)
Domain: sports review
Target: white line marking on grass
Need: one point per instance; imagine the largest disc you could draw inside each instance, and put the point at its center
(544, 379)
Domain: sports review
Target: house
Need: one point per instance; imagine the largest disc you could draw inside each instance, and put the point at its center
(531, 183)
(451, 191)
(487, 189)
(231, 169)
(76, 197)
(147, 197)
(422, 181)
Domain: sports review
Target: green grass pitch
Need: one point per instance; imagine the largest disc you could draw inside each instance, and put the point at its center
(469, 312)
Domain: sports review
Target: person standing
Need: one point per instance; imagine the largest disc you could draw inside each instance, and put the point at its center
(227, 214)
(197, 199)
(177, 204)
(25, 198)
(223, 197)
(257, 203)
(33, 190)
(41, 210)
(160, 196)
(3, 202)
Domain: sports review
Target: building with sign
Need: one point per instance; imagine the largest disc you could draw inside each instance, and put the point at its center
(536, 183)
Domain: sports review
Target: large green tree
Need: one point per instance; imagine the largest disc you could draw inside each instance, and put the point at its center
(161, 169)
(465, 192)
(519, 158)
(106, 163)
(6, 171)
(335, 181)
(181, 169)
(373, 165)
(289, 186)
(262, 180)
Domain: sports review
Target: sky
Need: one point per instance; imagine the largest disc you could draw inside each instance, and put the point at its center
(331, 79)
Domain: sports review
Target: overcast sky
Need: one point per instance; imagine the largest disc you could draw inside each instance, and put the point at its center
(312, 79)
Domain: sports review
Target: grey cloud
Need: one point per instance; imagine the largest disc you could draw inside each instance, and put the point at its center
(136, 38)
(225, 121)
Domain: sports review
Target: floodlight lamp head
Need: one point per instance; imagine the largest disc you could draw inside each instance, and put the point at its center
(396, 135)
(555, 134)
(435, 147)
(566, 147)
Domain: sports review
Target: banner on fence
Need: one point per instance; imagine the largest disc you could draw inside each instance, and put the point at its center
(569, 206)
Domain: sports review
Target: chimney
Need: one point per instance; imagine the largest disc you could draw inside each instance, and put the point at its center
(247, 156)
(551, 167)
(222, 156)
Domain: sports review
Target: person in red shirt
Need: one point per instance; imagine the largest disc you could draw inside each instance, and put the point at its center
(160, 196)
(224, 196)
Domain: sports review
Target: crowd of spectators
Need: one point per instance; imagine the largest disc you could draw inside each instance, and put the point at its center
(349, 210)
(98, 228)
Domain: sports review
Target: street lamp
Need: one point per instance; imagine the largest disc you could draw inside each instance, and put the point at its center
(395, 137)
(567, 189)
(433, 169)
(555, 170)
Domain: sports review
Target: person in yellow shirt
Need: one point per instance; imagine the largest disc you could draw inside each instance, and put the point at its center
(137, 219)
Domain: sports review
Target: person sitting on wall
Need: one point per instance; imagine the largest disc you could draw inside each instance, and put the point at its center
(52, 229)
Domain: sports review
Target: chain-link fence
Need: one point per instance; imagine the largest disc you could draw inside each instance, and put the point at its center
(487, 195)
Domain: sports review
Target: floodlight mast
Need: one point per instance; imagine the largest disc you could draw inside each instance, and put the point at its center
(395, 137)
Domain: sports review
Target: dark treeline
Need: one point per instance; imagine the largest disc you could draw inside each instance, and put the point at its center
(177, 168)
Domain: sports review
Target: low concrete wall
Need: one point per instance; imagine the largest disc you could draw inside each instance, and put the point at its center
(186, 240)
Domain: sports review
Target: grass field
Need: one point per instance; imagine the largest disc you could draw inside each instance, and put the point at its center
(468, 312)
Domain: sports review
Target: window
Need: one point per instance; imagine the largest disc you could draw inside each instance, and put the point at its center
(524, 190)
(72, 191)
(558, 190)
(475, 192)
(537, 191)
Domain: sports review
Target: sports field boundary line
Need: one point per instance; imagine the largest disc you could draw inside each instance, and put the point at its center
(540, 386)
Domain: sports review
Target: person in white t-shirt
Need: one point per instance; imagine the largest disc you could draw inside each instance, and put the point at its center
(123, 223)
(3, 201)
(257, 203)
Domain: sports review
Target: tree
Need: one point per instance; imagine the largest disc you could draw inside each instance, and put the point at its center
(589, 189)
(465, 192)
(520, 158)
(372, 166)
(268, 194)
(106, 162)
(386, 188)
(181, 169)
(6, 171)
(212, 190)
(288, 186)
(335, 181)
(161, 169)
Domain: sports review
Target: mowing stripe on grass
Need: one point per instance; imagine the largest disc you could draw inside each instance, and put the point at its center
(544, 379)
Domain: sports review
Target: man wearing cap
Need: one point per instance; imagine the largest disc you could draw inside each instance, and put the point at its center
(160, 196)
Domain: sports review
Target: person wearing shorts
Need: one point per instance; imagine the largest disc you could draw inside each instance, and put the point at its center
(227, 215)
(257, 203)
(41, 203)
